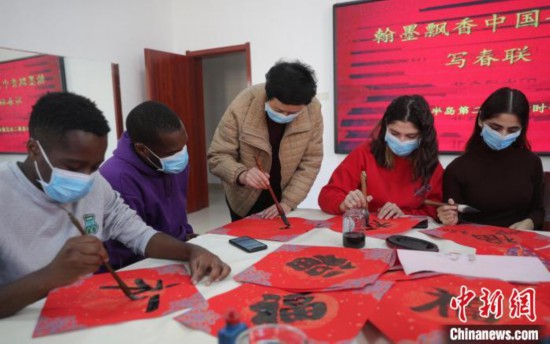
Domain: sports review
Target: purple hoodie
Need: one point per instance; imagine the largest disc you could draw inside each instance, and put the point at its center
(159, 198)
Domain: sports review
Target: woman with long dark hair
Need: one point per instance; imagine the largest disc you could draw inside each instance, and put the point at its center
(497, 174)
(401, 164)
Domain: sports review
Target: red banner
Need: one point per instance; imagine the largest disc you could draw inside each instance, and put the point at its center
(273, 229)
(335, 317)
(496, 240)
(314, 268)
(22, 82)
(455, 54)
(97, 300)
(416, 311)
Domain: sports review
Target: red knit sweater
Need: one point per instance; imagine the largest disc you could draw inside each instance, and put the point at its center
(384, 185)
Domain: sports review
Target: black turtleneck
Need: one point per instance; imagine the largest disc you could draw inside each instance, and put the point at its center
(506, 185)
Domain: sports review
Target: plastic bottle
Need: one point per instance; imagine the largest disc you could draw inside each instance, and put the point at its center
(233, 327)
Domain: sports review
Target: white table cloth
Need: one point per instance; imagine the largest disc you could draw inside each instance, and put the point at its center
(18, 329)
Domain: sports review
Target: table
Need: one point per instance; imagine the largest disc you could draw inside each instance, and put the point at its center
(18, 329)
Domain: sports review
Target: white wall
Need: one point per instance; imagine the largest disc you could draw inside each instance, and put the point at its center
(79, 74)
(275, 29)
(102, 30)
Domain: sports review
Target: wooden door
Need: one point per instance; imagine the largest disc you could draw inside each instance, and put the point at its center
(176, 81)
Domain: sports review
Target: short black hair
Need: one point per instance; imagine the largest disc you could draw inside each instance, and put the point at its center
(292, 83)
(56, 113)
(150, 118)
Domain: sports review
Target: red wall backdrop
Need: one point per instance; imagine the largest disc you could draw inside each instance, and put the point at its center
(454, 53)
(22, 82)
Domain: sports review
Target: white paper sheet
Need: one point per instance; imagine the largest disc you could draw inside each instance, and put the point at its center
(507, 268)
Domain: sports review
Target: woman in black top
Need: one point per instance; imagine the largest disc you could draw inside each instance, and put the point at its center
(498, 174)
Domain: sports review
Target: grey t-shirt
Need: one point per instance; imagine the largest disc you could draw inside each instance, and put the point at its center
(33, 228)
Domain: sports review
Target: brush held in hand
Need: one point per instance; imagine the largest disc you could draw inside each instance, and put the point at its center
(279, 208)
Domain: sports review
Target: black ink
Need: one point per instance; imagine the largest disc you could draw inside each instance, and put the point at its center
(377, 224)
(354, 240)
(266, 310)
(442, 301)
(294, 307)
(153, 303)
(142, 287)
(495, 239)
(141, 284)
(321, 265)
(300, 307)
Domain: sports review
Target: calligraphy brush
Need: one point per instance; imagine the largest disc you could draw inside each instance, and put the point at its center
(279, 208)
(462, 208)
(108, 266)
(364, 183)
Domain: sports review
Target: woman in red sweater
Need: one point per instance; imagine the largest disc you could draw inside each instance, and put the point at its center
(401, 164)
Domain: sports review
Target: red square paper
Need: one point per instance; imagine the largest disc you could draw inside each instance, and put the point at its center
(256, 227)
(400, 275)
(496, 240)
(378, 228)
(313, 268)
(86, 304)
(334, 317)
(416, 310)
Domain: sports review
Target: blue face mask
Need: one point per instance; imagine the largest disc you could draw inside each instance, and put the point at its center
(64, 186)
(495, 140)
(400, 148)
(279, 117)
(172, 164)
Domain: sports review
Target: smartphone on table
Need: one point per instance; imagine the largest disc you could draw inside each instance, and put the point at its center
(248, 244)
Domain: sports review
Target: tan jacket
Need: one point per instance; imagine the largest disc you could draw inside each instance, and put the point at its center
(242, 134)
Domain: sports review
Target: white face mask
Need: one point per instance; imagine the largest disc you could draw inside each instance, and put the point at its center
(173, 164)
(495, 140)
(279, 117)
(64, 186)
(401, 148)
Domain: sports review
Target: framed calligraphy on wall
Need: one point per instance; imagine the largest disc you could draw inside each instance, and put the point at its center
(454, 53)
(22, 82)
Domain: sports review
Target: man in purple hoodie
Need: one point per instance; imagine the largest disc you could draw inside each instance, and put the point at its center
(149, 170)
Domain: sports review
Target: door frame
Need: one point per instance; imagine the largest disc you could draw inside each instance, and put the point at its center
(171, 79)
(200, 54)
(117, 97)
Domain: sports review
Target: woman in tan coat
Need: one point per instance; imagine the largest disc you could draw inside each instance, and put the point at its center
(280, 122)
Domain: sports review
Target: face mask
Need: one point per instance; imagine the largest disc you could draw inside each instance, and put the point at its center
(495, 140)
(64, 186)
(279, 117)
(400, 148)
(172, 164)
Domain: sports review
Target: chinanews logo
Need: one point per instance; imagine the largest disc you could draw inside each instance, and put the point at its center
(90, 224)
(520, 304)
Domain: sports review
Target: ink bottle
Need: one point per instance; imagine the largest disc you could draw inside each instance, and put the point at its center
(233, 327)
(353, 227)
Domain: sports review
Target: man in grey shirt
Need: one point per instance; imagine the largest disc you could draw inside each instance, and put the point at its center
(40, 248)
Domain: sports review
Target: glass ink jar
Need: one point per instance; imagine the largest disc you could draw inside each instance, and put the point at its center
(353, 228)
